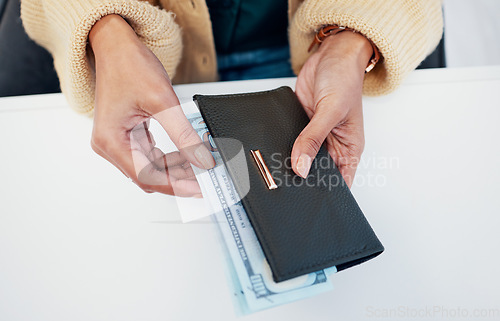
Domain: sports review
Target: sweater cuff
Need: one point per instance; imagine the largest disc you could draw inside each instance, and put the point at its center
(405, 32)
(62, 27)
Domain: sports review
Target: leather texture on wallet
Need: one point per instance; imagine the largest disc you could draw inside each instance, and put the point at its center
(302, 228)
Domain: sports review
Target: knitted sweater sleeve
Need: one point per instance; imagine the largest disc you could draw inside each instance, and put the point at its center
(405, 32)
(62, 27)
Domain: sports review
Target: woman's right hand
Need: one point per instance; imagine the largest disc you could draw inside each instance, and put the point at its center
(131, 87)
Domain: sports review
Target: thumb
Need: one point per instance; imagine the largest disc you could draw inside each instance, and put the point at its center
(183, 135)
(311, 138)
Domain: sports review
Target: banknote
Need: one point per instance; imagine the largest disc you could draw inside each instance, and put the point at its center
(254, 287)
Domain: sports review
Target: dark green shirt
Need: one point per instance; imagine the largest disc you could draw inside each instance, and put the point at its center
(244, 25)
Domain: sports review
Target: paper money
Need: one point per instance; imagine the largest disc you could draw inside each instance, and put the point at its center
(254, 286)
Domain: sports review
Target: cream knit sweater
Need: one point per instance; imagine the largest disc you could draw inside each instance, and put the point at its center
(180, 35)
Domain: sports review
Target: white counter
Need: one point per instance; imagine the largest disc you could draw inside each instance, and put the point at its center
(78, 241)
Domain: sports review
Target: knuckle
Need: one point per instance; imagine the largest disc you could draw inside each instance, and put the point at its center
(353, 157)
(358, 147)
(147, 189)
(98, 141)
(361, 146)
(158, 99)
(186, 137)
(142, 185)
(95, 148)
(337, 114)
(310, 143)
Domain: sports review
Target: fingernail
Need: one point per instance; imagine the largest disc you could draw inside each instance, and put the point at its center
(303, 165)
(204, 157)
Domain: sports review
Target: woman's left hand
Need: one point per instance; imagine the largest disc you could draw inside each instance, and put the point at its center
(329, 86)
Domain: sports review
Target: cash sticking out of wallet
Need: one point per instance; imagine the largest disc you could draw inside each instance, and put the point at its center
(253, 283)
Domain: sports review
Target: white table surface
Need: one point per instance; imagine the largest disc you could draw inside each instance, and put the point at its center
(78, 241)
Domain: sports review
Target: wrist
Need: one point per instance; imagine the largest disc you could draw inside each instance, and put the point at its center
(349, 45)
(108, 33)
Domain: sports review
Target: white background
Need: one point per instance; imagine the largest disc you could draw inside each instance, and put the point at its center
(472, 32)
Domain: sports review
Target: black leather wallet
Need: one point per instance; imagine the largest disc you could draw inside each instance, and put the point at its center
(302, 225)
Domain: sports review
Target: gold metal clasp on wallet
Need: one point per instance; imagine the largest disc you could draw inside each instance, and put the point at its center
(268, 178)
